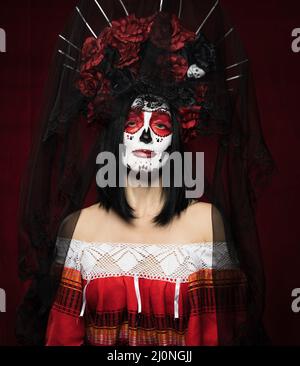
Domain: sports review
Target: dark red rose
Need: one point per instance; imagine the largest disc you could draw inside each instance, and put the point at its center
(179, 66)
(169, 34)
(92, 53)
(104, 90)
(189, 116)
(93, 50)
(89, 83)
(131, 29)
(174, 66)
(129, 54)
(127, 34)
(180, 36)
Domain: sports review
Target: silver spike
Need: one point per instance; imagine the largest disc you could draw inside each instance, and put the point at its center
(230, 30)
(103, 12)
(68, 56)
(180, 9)
(237, 64)
(208, 15)
(161, 5)
(71, 68)
(227, 34)
(124, 7)
(86, 23)
(234, 77)
(69, 42)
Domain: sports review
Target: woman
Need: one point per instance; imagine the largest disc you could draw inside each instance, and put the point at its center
(145, 265)
(170, 239)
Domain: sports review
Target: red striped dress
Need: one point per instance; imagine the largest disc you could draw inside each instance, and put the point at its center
(147, 295)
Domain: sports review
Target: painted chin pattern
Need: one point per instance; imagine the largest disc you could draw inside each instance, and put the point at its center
(142, 164)
(138, 164)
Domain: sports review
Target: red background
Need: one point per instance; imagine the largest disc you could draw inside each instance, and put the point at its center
(265, 28)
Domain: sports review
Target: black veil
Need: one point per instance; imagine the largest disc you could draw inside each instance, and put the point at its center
(60, 179)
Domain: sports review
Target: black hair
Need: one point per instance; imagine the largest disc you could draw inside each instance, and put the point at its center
(114, 198)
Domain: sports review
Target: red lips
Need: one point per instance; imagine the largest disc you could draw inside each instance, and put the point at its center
(147, 154)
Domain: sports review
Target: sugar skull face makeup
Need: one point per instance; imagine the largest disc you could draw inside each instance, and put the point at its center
(147, 134)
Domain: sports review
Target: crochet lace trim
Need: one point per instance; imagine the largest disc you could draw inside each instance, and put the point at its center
(167, 262)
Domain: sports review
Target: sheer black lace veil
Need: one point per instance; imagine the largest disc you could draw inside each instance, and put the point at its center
(60, 177)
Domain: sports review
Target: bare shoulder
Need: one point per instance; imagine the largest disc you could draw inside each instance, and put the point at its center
(202, 217)
(200, 207)
(88, 222)
(200, 210)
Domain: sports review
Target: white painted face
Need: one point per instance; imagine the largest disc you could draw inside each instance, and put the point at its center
(147, 134)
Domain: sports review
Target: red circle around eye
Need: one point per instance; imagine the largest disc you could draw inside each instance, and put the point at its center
(161, 124)
(134, 123)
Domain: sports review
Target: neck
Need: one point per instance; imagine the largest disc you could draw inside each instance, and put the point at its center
(146, 200)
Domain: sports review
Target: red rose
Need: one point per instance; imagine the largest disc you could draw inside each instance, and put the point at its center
(104, 90)
(127, 34)
(169, 34)
(179, 66)
(129, 54)
(92, 53)
(131, 29)
(89, 83)
(180, 36)
(174, 65)
(189, 116)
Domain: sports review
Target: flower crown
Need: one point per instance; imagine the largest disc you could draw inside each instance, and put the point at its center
(148, 55)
